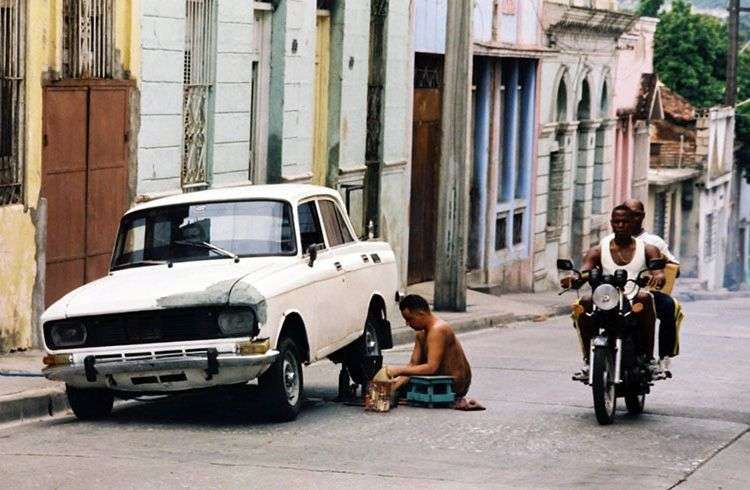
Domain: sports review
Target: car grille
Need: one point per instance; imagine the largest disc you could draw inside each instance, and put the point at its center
(172, 325)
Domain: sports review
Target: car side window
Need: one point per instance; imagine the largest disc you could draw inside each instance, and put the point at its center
(345, 233)
(336, 229)
(309, 226)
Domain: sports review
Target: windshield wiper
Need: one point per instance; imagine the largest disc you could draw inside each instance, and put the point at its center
(139, 263)
(209, 246)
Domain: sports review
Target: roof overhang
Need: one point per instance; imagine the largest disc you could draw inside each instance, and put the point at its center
(661, 177)
(605, 22)
(507, 50)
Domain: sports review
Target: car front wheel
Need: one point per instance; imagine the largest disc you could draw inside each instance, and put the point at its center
(281, 385)
(90, 403)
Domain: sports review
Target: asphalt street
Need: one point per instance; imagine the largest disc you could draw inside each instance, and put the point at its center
(538, 431)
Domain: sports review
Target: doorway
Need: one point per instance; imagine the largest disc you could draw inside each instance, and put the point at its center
(84, 179)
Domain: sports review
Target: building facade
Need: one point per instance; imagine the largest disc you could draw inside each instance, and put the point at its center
(116, 102)
(576, 143)
(67, 171)
(507, 48)
(633, 72)
(237, 92)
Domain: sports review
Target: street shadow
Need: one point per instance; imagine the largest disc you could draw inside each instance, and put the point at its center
(226, 407)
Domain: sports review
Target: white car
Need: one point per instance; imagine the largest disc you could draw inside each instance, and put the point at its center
(222, 286)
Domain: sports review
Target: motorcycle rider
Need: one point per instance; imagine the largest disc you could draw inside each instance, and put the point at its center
(618, 251)
(668, 311)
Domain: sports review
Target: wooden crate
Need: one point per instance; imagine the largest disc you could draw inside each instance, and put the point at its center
(378, 396)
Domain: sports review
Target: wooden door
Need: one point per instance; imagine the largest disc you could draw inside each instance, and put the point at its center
(322, 62)
(64, 186)
(424, 184)
(84, 181)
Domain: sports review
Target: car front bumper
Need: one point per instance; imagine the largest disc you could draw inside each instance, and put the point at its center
(161, 372)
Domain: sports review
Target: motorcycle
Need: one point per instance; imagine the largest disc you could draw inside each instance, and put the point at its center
(615, 368)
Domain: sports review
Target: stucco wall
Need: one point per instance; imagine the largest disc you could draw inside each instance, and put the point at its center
(231, 148)
(21, 289)
(395, 177)
(162, 44)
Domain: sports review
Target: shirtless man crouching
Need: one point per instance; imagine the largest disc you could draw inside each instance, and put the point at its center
(437, 351)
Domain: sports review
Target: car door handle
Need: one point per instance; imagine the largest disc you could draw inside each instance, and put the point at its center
(338, 266)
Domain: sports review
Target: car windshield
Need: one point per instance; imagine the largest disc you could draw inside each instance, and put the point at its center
(204, 231)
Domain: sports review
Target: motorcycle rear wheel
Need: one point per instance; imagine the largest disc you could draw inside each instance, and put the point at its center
(635, 402)
(603, 387)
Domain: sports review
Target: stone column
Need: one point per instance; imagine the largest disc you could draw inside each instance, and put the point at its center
(583, 187)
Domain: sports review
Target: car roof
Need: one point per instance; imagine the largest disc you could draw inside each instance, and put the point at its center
(288, 192)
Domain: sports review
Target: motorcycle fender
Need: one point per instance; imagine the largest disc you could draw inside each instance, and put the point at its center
(600, 341)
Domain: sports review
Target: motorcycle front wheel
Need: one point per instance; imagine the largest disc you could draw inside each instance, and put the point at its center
(603, 387)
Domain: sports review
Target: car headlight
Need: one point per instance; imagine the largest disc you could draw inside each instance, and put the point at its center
(606, 297)
(68, 334)
(238, 323)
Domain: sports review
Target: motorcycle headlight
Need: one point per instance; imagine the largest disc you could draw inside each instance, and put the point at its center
(68, 334)
(606, 297)
(236, 323)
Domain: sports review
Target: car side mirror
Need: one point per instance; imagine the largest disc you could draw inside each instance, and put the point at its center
(312, 252)
(564, 265)
(656, 264)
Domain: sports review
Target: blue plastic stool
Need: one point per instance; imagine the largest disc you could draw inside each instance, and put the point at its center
(431, 390)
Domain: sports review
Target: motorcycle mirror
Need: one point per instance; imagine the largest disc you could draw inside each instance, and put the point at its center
(564, 265)
(657, 264)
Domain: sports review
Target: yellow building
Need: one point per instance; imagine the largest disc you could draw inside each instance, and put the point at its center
(64, 64)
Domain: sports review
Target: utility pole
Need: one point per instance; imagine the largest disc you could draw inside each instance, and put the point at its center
(455, 164)
(733, 267)
(733, 24)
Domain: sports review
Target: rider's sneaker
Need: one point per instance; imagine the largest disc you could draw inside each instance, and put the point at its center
(664, 363)
(582, 375)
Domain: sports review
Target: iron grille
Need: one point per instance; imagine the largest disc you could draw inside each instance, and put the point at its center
(89, 39)
(175, 325)
(428, 71)
(198, 79)
(11, 100)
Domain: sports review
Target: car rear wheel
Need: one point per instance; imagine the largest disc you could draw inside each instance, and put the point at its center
(281, 385)
(90, 403)
(365, 357)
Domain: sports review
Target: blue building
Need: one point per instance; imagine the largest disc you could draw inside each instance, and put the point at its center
(507, 50)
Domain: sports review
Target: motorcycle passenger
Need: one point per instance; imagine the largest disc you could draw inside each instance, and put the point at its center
(668, 311)
(619, 251)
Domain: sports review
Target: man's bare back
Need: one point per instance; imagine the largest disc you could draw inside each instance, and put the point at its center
(453, 362)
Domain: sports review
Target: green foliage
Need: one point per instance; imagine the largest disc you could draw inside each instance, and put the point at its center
(649, 8)
(690, 54)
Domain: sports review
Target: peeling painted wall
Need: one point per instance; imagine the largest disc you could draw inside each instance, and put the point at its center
(18, 228)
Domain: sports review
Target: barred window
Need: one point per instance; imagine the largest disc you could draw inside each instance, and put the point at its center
(88, 39)
(199, 78)
(11, 100)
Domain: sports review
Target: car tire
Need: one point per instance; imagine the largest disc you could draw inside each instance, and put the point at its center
(281, 386)
(90, 403)
(365, 358)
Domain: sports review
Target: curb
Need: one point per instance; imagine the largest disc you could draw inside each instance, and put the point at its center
(34, 404)
(690, 296)
(405, 335)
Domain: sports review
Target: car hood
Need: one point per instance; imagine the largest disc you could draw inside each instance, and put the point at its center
(188, 284)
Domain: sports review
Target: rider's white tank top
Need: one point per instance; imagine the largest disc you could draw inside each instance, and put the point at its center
(636, 265)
